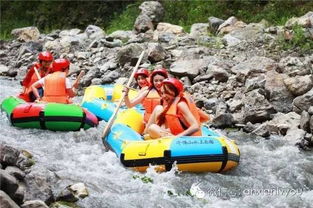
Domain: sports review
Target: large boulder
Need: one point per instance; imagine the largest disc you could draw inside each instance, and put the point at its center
(303, 102)
(278, 95)
(256, 107)
(304, 21)
(129, 53)
(299, 85)
(164, 28)
(26, 34)
(143, 24)
(153, 9)
(6, 201)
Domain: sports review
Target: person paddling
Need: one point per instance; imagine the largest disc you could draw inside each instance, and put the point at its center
(35, 72)
(178, 114)
(58, 87)
(150, 96)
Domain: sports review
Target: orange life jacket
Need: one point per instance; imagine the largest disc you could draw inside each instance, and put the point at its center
(149, 102)
(174, 119)
(55, 88)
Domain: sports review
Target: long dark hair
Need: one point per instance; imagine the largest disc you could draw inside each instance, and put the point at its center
(168, 88)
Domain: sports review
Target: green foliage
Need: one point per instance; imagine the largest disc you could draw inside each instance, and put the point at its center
(144, 179)
(298, 40)
(121, 15)
(124, 20)
(186, 13)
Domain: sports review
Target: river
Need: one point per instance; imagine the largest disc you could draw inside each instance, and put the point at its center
(272, 172)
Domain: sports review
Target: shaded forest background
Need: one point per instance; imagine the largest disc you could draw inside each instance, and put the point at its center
(114, 15)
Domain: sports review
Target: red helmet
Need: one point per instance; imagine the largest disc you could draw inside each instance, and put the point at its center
(45, 56)
(143, 72)
(162, 72)
(60, 65)
(176, 83)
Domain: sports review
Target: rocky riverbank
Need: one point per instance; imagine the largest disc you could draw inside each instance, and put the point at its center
(240, 74)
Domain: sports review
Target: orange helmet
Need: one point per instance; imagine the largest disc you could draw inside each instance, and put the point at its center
(162, 72)
(176, 83)
(60, 65)
(143, 72)
(45, 56)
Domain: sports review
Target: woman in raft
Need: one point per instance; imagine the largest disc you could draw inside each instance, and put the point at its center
(142, 78)
(177, 114)
(148, 96)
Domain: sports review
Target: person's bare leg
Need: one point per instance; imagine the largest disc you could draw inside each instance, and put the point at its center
(153, 118)
(156, 132)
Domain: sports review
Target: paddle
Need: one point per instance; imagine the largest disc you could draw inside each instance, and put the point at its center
(110, 122)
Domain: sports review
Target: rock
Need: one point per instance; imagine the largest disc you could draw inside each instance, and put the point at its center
(6, 201)
(34, 204)
(256, 64)
(305, 121)
(156, 52)
(122, 35)
(230, 25)
(94, 32)
(167, 28)
(26, 34)
(129, 53)
(143, 24)
(214, 23)
(255, 83)
(199, 29)
(16, 172)
(8, 155)
(153, 9)
(110, 77)
(278, 94)
(71, 32)
(19, 195)
(4, 70)
(79, 190)
(304, 21)
(282, 123)
(293, 66)
(38, 186)
(8, 183)
(303, 102)
(256, 108)
(299, 85)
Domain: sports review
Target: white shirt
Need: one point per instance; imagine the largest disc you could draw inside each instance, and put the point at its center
(68, 83)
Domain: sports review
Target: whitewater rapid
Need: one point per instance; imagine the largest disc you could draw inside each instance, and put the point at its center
(272, 172)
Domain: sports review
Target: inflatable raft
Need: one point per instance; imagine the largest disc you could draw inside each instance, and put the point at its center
(52, 116)
(208, 153)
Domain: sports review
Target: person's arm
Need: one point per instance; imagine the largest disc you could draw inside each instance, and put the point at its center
(204, 117)
(191, 120)
(76, 82)
(70, 89)
(36, 85)
(131, 103)
(25, 82)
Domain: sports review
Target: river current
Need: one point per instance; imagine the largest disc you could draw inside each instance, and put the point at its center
(272, 172)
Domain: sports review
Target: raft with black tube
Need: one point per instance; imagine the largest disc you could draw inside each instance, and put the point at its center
(51, 116)
(211, 152)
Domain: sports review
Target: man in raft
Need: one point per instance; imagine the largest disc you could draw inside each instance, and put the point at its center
(177, 114)
(37, 71)
(58, 87)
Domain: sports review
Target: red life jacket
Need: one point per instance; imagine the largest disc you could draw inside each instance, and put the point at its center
(174, 119)
(149, 102)
(30, 78)
(55, 88)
